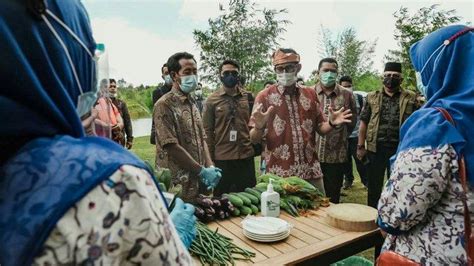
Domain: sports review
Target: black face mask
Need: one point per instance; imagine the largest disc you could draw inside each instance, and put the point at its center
(391, 83)
(230, 80)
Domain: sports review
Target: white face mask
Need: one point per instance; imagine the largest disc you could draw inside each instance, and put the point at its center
(286, 79)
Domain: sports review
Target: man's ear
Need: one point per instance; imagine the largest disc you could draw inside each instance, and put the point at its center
(298, 68)
(173, 75)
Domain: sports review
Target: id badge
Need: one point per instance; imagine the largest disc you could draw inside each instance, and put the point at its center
(233, 135)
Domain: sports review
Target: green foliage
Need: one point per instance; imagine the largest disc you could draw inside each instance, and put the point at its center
(410, 28)
(354, 56)
(368, 81)
(139, 100)
(243, 33)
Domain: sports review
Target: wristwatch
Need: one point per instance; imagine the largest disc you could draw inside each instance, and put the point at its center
(359, 146)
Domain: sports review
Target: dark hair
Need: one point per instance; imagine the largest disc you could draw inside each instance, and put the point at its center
(268, 82)
(173, 61)
(164, 65)
(346, 79)
(327, 60)
(287, 51)
(112, 81)
(299, 79)
(229, 62)
(243, 80)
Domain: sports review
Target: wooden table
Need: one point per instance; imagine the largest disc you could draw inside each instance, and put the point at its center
(311, 242)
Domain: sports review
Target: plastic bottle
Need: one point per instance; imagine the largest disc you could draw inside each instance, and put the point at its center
(270, 202)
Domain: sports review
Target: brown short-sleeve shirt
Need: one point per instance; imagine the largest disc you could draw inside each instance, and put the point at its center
(224, 118)
(290, 132)
(177, 120)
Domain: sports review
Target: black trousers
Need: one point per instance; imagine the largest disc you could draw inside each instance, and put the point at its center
(237, 175)
(333, 175)
(361, 168)
(379, 162)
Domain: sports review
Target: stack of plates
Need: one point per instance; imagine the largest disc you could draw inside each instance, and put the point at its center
(265, 229)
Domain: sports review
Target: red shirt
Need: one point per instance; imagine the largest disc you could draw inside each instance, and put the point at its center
(291, 131)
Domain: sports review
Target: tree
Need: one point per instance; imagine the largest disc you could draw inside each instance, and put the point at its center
(410, 28)
(243, 33)
(354, 56)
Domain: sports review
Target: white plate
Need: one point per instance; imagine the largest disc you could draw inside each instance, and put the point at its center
(268, 226)
(259, 239)
(265, 236)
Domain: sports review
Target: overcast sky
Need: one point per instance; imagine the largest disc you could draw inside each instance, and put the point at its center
(140, 35)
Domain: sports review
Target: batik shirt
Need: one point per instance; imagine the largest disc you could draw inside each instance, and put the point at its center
(290, 132)
(123, 221)
(178, 121)
(422, 203)
(332, 147)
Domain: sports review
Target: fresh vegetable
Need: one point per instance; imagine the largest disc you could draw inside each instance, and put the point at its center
(236, 212)
(251, 197)
(246, 200)
(162, 186)
(208, 209)
(254, 209)
(236, 201)
(254, 192)
(244, 210)
(213, 248)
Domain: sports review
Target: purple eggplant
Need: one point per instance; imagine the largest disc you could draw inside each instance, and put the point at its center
(230, 207)
(209, 217)
(224, 200)
(210, 210)
(200, 213)
(204, 202)
(216, 203)
(221, 215)
(227, 214)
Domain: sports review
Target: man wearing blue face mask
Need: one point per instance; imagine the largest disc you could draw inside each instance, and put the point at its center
(226, 117)
(332, 147)
(158, 93)
(181, 146)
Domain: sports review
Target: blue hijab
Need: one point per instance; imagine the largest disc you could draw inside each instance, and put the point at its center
(42, 179)
(449, 80)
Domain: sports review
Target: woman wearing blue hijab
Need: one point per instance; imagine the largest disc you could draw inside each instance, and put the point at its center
(66, 198)
(421, 207)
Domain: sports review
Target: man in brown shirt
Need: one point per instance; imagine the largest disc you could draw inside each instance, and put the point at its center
(226, 116)
(332, 147)
(289, 117)
(181, 146)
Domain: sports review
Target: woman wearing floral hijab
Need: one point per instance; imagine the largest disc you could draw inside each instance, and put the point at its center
(421, 207)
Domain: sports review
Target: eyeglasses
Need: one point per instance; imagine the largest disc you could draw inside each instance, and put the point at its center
(287, 69)
(230, 73)
(396, 76)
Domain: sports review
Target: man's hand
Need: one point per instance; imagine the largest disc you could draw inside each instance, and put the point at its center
(129, 145)
(339, 117)
(361, 152)
(261, 118)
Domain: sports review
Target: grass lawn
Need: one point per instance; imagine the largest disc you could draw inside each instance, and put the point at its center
(357, 194)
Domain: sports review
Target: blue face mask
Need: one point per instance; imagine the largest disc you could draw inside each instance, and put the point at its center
(328, 79)
(188, 83)
(168, 80)
(419, 81)
(419, 84)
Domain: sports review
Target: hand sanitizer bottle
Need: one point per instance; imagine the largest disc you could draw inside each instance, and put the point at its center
(270, 201)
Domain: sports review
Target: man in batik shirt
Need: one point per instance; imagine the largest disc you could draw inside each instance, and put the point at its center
(288, 116)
